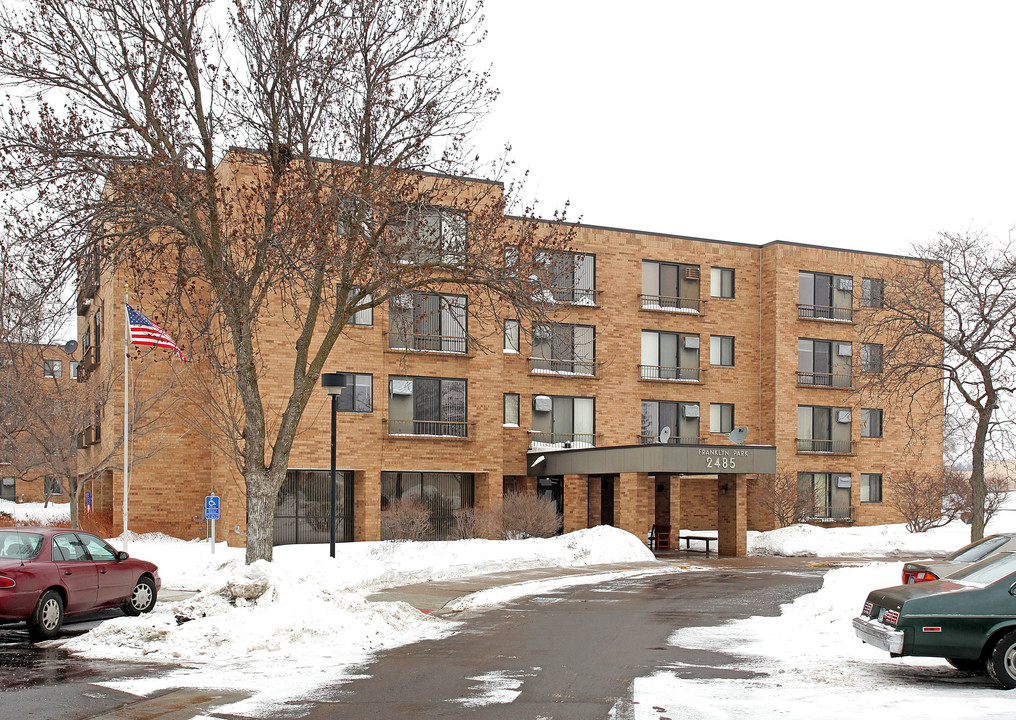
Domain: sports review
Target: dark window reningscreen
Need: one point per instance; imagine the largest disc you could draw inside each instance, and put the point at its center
(302, 510)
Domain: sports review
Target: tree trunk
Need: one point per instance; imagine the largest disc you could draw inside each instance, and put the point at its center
(261, 499)
(74, 510)
(977, 486)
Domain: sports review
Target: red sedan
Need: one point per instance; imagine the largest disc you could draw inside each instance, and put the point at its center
(47, 573)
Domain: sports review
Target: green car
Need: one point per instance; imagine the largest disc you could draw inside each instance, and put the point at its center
(969, 619)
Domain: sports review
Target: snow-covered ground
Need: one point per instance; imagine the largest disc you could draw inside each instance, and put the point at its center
(290, 628)
(36, 513)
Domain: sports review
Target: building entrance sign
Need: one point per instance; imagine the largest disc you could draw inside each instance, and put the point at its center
(680, 459)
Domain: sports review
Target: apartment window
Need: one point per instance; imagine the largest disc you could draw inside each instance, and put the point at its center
(828, 494)
(721, 282)
(721, 417)
(570, 275)
(871, 487)
(427, 406)
(443, 494)
(721, 350)
(871, 423)
(52, 368)
(566, 421)
(432, 236)
(420, 321)
(670, 286)
(511, 336)
(511, 409)
(357, 394)
(674, 423)
(364, 316)
(75, 369)
(825, 363)
(823, 429)
(871, 358)
(824, 296)
(302, 507)
(871, 292)
(7, 489)
(565, 349)
(669, 356)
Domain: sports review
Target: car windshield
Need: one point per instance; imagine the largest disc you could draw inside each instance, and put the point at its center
(987, 571)
(17, 545)
(979, 550)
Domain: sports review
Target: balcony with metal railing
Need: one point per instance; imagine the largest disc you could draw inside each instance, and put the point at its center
(825, 312)
(458, 430)
(566, 440)
(828, 447)
(664, 303)
(826, 380)
(568, 295)
(671, 374)
(565, 368)
(674, 440)
(832, 513)
(418, 342)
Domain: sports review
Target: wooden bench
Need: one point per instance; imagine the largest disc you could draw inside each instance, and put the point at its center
(688, 538)
(659, 537)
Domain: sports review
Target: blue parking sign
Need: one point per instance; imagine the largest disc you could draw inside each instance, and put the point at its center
(211, 507)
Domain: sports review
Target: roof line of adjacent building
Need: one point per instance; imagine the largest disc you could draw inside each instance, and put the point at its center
(713, 240)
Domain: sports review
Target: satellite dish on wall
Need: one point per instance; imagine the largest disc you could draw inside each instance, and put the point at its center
(665, 435)
(738, 435)
(70, 346)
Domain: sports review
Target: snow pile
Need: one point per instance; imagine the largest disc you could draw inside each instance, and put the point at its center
(808, 657)
(36, 513)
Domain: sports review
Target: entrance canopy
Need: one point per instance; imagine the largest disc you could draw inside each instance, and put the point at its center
(682, 459)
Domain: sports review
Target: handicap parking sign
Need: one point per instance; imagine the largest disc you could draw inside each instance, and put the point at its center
(211, 507)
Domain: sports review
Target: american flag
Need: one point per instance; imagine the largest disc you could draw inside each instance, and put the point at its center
(145, 332)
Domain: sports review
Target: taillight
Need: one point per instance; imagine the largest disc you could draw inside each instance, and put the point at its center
(892, 617)
(912, 576)
(867, 609)
(6, 583)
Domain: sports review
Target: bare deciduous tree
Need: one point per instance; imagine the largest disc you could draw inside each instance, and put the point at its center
(783, 497)
(918, 497)
(952, 322)
(355, 116)
(959, 500)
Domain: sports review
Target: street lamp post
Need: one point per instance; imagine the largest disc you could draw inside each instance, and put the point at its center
(333, 384)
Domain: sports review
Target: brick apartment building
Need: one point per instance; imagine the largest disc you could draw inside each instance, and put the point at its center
(650, 334)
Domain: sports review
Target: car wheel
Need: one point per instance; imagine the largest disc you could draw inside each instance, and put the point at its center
(142, 598)
(966, 664)
(48, 616)
(1002, 661)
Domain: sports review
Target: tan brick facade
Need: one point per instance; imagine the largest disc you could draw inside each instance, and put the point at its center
(762, 317)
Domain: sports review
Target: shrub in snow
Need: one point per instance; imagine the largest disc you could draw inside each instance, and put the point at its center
(919, 498)
(471, 523)
(785, 499)
(959, 496)
(525, 515)
(405, 520)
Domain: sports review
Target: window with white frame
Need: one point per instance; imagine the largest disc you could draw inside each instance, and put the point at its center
(52, 368)
(427, 406)
(75, 369)
(564, 349)
(826, 363)
(511, 410)
(669, 356)
(511, 336)
(365, 316)
(721, 350)
(721, 417)
(671, 286)
(422, 321)
(564, 420)
(871, 487)
(721, 282)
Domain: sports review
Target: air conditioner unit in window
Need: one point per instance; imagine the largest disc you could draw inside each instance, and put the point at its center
(691, 411)
(844, 350)
(842, 416)
(402, 387)
(692, 273)
(542, 403)
(843, 481)
(845, 283)
(691, 343)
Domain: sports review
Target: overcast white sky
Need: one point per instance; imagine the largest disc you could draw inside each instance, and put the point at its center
(865, 125)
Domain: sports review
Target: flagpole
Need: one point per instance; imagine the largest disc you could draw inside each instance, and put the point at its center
(126, 426)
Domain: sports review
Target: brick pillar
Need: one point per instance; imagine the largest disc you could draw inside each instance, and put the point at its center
(631, 504)
(576, 502)
(366, 505)
(527, 484)
(488, 489)
(595, 515)
(675, 508)
(732, 514)
(661, 499)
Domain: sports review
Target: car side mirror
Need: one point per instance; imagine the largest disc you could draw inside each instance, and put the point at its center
(121, 556)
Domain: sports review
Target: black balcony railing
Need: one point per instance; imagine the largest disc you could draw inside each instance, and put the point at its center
(661, 372)
(546, 366)
(674, 440)
(571, 295)
(671, 304)
(824, 312)
(832, 447)
(824, 379)
(566, 439)
(429, 428)
(428, 343)
(832, 512)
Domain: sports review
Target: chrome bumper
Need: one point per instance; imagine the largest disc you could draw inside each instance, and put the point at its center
(879, 635)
